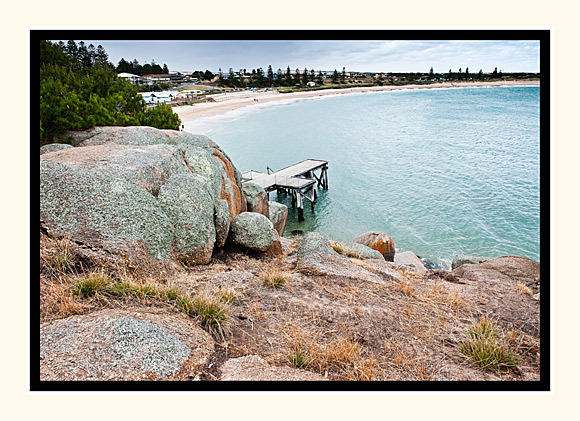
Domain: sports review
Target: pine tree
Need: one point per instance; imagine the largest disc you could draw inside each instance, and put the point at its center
(101, 56)
(335, 77)
(72, 49)
(270, 75)
(165, 69)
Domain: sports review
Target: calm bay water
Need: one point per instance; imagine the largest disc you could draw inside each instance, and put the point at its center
(442, 171)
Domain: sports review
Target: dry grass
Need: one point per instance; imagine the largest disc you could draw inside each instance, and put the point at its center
(406, 288)
(330, 353)
(273, 276)
(523, 289)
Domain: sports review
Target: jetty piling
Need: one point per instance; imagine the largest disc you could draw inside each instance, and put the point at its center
(299, 180)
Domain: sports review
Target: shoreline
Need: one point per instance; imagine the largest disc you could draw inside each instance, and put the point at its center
(189, 113)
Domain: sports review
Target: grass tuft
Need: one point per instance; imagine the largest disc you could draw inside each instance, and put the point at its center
(298, 358)
(483, 349)
(273, 277)
(93, 283)
(523, 289)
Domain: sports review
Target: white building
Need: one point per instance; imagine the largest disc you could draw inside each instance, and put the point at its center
(131, 77)
(158, 97)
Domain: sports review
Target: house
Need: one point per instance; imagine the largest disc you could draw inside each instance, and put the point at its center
(151, 79)
(158, 97)
(311, 84)
(130, 77)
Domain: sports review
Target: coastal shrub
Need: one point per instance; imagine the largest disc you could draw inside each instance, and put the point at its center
(483, 348)
(76, 95)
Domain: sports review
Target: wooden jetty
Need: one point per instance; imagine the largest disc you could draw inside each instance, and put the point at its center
(299, 180)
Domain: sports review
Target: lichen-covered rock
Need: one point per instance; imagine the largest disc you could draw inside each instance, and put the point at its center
(360, 251)
(130, 344)
(187, 201)
(379, 241)
(222, 222)
(460, 259)
(314, 254)
(53, 147)
(252, 230)
(278, 216)
(146, 159)
(256, 198)
(102, 210)
(147, 167)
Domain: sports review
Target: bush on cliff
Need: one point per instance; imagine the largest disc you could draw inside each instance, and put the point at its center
(76, 96)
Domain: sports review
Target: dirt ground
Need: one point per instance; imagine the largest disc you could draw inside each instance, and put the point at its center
(379, 322)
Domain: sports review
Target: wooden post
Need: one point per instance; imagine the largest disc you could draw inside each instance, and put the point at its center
(299, 202)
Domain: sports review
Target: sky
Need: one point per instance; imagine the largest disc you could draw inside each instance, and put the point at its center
(361, 55)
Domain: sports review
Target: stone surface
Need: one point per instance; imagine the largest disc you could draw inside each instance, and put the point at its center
(53, 147)
(360, 251)
(102, 210)
(252, 230)
(275, 249)
(256, 199)
(461, 259)
(128, 344)
(379, 241)
(222, 222)
(187, 201)
(517, 268)
(410, 259)
(278, 216)
(254, 368)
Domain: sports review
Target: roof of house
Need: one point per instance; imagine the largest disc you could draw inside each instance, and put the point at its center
(124, 74)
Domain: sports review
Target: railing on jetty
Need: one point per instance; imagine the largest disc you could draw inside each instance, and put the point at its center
(298, 180)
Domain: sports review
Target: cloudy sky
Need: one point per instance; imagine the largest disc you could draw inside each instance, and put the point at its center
(373, 56)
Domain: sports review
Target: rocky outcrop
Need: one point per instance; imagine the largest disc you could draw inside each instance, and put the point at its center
(252, 230)
(461, 259)
(256, 198)
(128, 344)
(278, 216)
(379, 241)
(134, 189)
(410, 260)
(53, 147)
(517, 268)
(186, 199)
(359, 251)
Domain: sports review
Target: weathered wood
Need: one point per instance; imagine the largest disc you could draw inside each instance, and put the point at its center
(298, 180)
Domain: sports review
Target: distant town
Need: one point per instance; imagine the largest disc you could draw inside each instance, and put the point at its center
(194, 86)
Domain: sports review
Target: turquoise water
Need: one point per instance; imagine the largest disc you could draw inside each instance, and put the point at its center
(442, 171)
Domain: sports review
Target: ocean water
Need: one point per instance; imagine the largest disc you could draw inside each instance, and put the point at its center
(442, 171)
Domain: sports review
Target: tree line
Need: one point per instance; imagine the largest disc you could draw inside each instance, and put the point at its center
(79, 89)
(258, 78)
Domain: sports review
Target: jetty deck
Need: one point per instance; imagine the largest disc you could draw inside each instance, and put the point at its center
(298, 180)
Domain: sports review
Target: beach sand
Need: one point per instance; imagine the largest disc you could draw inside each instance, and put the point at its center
(189, 113)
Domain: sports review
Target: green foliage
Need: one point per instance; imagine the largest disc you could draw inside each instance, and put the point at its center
(92, 284)
(160, 116)
(298, 359)
(79, 92)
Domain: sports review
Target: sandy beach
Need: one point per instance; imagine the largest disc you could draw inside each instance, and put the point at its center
(189, 113)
